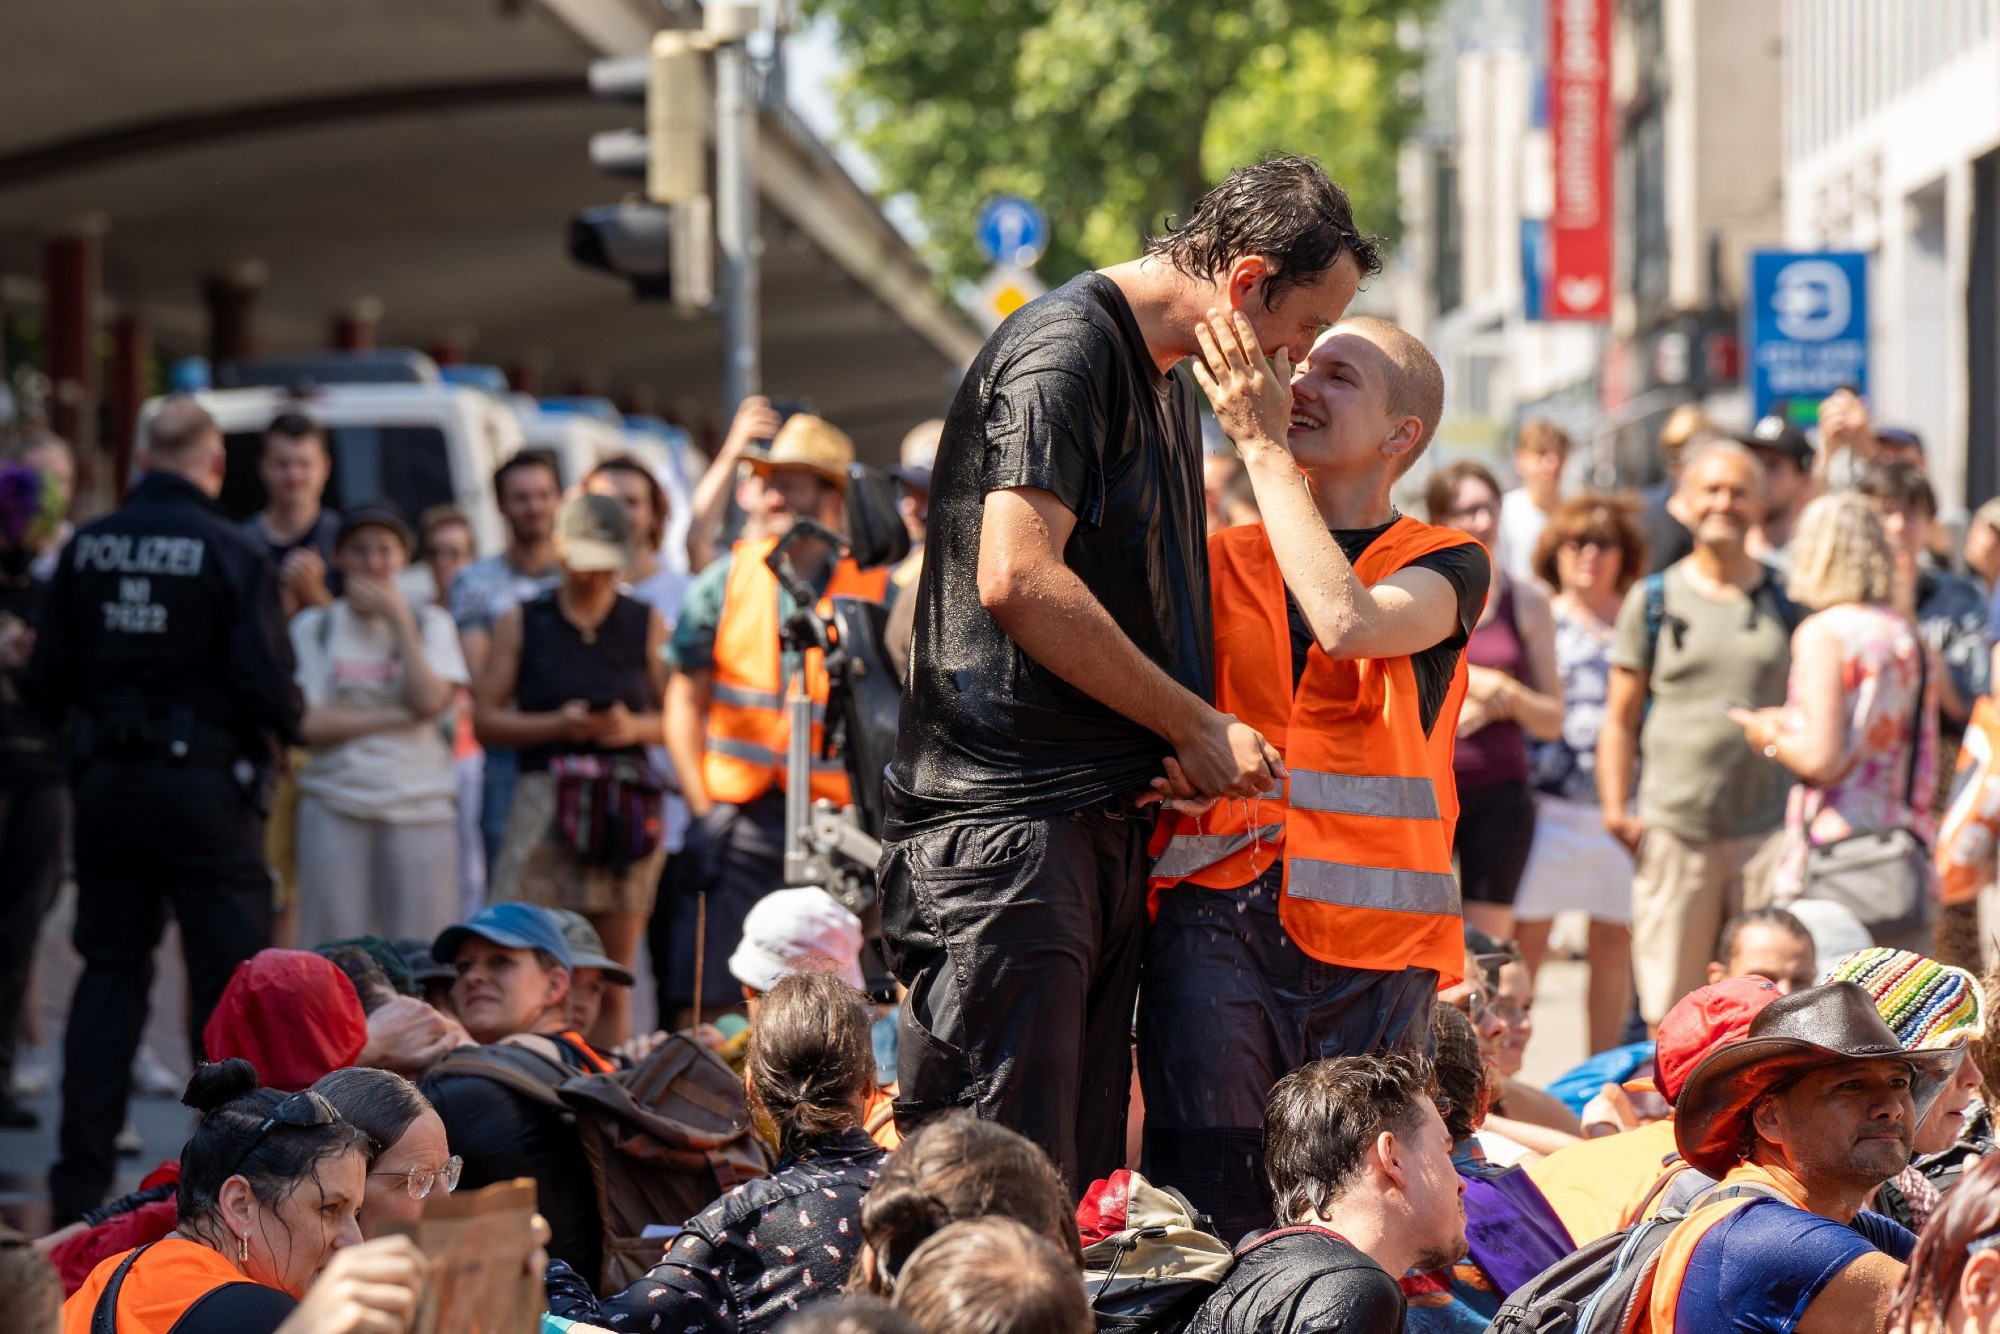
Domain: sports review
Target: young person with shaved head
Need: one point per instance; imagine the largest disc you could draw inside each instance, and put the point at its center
(1319, 919)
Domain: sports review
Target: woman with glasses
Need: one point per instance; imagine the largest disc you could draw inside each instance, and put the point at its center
(1591, 553)
(409, 1155)
(270, 1191)
(1513, 691)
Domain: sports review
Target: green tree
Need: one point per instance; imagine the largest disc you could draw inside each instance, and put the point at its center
(1115, 114)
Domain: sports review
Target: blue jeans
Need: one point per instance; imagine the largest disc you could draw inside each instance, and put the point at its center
(496, 794)
(1228, 1006)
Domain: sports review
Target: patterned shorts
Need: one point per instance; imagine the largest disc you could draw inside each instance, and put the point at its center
(535, 868)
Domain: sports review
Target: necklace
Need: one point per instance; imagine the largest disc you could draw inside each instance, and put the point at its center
(586, 632)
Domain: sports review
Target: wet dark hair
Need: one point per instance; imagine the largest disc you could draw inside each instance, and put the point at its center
(1970, 1212)
(849, 1315)
(380, 1104)
(1462, 1092)
(1286, 209)
(953, 1168)
(992, 1276)
(1321, 1120)
(812, 1060)
(231, 1141)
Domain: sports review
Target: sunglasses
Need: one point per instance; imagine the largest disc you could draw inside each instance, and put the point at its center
(302, 1110)
(419, 1180)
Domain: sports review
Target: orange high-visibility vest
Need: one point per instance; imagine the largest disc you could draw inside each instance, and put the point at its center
(1365, 826)
(747, 727)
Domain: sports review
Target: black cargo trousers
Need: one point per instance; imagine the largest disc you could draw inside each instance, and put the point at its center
(1020, 942)
(152, 836)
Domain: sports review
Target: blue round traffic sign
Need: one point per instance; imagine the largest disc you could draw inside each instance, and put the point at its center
(1012, 231)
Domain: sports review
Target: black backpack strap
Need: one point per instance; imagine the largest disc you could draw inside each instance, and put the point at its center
(528, 1072)
(104, 1319)
(1655, 586)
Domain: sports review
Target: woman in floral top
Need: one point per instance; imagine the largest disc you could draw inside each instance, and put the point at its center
(776, 1244)
(1852, 712)
(1591, 552)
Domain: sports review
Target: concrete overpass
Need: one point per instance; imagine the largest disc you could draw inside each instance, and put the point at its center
(183, 178)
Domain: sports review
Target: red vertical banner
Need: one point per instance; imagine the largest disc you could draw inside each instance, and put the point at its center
(1581, 131)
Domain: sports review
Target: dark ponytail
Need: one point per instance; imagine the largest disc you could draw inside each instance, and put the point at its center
(231, 1140)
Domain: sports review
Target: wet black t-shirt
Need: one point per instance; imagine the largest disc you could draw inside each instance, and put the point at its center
(1064, 398)
(1469, 572)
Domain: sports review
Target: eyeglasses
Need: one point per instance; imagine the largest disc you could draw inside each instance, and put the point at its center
(302, 1110)
(1483, 507)
(419, 1180)
(1590, 540)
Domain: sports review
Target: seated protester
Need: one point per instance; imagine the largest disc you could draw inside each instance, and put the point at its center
(512, 995)
(992, 1276)
(1766, 942)
(592, 970)
(956, 1167)
(1931, 1007)
(432, 979)
(802, 930)
(1361, 1174)
(1519, 1110)
(1510, 1230)
(1505, 1141)
(405, 1034)
(1953, 1286)
(270, 1187)
(776, 1243)
(408, 1154)
(1814, 1108)
(1340, 634)
(1597, 1186)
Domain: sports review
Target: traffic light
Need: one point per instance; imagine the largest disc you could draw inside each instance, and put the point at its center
(663, 245)
(663, 250)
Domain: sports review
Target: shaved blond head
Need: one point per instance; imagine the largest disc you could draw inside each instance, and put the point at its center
(1415, 382)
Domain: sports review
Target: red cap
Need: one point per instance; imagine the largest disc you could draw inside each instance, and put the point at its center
(1703, 1020)
(291, 1014)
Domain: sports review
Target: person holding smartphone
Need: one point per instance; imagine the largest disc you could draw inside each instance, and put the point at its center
(574, 681)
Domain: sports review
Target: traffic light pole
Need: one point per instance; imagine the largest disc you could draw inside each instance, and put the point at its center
(736, 219)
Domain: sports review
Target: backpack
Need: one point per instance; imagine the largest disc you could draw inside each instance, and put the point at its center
(1152, 1273)
(1768, 587)
(664, 1138)
(1603, 1287)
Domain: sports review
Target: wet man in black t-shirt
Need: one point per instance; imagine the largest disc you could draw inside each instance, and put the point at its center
(1353, 964)
(1062, 656)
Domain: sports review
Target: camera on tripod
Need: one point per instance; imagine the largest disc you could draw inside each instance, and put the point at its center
(836, 847)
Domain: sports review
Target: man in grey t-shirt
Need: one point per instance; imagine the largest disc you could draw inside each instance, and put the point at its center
(1713, 633)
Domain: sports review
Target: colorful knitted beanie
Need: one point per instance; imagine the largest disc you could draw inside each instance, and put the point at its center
(1929, 1004)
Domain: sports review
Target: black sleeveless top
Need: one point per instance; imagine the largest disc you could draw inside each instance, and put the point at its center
(557, 666)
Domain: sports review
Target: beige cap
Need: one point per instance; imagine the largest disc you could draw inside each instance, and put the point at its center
(593, 533)
(1989, 513)
(808, 442)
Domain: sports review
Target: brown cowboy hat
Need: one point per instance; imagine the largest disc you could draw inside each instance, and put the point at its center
(809, 443)
(1804, 1031)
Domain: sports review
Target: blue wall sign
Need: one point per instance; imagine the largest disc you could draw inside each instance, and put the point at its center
(1808, 328)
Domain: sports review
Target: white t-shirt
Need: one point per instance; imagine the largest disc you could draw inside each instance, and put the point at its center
(1521, 525)
(401, 776)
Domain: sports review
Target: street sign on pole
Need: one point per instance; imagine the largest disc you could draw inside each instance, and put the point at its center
(1012, 231)
(1808, 331)
(1002, 292)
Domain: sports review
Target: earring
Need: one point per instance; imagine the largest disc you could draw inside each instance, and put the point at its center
(243, 1249)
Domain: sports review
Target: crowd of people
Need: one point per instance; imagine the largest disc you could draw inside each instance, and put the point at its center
(1232, 816)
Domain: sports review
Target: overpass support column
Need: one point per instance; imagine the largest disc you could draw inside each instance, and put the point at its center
(125, 392)
(72, 275)
(231, 299)
(354, 327)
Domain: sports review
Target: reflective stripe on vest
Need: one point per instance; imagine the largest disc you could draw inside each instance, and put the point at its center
(749, 728)
(1364, 825)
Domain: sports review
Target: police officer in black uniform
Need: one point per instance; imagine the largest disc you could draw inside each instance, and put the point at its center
(162, 640)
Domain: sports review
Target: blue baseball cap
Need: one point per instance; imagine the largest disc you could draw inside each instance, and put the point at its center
(517, 926)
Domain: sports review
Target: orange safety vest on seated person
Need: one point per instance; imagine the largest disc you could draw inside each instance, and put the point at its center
(747, 727)
(1365, 827)
(169, 1278)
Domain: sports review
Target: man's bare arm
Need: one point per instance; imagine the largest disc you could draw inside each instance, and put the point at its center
(1857, 1299)
(1042, 606)
(1618, 751)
